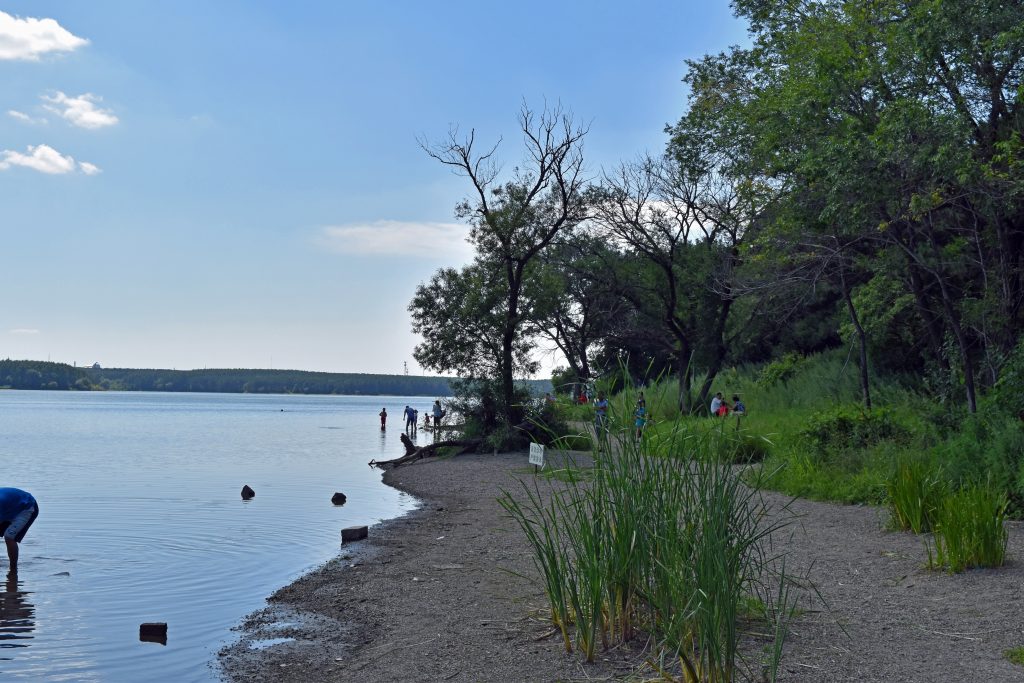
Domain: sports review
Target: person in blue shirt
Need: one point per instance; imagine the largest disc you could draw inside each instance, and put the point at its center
(18, 509)
(600, 413)
(641, 417)
(737, 405)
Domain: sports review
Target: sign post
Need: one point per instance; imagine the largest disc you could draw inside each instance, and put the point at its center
(536, 456)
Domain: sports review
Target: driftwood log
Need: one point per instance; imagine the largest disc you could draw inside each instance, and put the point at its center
(414, 452)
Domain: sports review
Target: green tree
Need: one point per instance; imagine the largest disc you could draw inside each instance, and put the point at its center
(511, 223)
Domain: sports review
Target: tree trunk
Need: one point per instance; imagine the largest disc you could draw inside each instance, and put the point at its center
(862, 341)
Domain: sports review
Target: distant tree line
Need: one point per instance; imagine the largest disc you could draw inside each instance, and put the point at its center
(23, 374)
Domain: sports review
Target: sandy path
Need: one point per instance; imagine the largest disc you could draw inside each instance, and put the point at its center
(435, 596)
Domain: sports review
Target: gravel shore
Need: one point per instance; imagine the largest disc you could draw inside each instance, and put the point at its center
(442, 594)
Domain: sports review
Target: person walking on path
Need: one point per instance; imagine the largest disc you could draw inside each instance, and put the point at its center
(18, 509)
(600, 414)
(641, 417)
(383, 419)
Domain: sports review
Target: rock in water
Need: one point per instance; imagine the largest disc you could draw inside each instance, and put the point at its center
(338, 498)
(353, 533)
(155, 632)
(247, 492)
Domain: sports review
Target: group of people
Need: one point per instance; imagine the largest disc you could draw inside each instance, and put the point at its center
(411, 416)
(721, 408)
(601, 414)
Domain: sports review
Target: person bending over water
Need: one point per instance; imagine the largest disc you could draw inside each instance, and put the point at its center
(18, 509)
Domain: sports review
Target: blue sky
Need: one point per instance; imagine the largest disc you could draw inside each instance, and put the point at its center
(190, 184)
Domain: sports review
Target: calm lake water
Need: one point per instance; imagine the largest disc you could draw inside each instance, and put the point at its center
(141, 519)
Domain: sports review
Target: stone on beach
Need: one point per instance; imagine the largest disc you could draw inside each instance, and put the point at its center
(353, 533)
(247, 492)
(338, 498)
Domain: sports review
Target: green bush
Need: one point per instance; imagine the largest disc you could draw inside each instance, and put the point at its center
(845, 427)
(969, 530)
(778, 371)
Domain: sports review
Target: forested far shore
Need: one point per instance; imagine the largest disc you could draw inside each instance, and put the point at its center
(23, 374)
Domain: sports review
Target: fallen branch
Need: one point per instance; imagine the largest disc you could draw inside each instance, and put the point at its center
(414, 453)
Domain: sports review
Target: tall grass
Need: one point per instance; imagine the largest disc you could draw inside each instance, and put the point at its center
(970, 530)
(671, 546)
(916, 490)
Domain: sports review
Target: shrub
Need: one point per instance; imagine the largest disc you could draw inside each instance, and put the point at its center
(969, 530)
(846, 427)
(781, 370)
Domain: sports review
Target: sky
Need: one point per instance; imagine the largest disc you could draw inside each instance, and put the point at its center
(194, 184)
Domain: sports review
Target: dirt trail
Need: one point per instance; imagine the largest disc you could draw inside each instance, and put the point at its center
(440, 595)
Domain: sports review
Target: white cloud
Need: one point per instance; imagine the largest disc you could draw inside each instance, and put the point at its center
(28, 38)
(44, 159)
(23, 117)
(398, 238)
(81, 111)
(24, 330)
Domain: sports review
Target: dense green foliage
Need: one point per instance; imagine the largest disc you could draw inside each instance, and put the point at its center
(852, 178)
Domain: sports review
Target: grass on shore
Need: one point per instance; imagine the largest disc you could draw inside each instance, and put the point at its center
(806, 426)
(659, 538)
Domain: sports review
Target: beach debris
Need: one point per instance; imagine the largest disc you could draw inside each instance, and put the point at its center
(153, 632)
(353, 533)
(338, 498)
(414, 453)
(247, 492)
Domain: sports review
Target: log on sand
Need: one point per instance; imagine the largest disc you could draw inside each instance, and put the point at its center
(414, 453)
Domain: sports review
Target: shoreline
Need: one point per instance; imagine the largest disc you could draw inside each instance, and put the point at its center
(437, 594)
(440, 594)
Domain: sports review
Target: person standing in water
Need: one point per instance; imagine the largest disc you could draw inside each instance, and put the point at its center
(438, 412)
(383, 419)
(18, 509)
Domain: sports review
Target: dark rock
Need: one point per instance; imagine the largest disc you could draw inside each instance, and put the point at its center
(155, 632)
(247, 492)
(353, 533)
(338, 498)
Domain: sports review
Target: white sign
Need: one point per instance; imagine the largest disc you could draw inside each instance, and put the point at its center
(536, 454)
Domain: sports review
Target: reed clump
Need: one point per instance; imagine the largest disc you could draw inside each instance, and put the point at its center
(970, 530)
(672, 547)
(915, 491)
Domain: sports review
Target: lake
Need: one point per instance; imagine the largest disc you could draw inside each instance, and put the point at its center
(141, 519)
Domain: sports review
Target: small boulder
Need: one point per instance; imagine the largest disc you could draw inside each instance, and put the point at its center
(338, 498)
(247, 492)
(353, 533)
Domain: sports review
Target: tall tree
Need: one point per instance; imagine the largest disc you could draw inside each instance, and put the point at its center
(511, 223)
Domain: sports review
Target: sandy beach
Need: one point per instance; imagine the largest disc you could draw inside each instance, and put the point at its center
(446, 594)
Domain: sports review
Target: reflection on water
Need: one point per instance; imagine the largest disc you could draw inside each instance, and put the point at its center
(17, 616)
